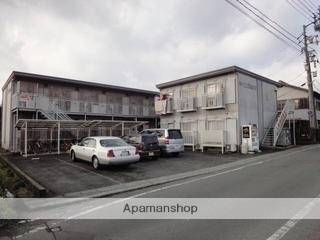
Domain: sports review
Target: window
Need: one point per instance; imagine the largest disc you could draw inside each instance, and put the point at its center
(85, 142)
(67, 106)
(14, 87)
(301, 103)
(186, 126)
(280, 104)
(188, 92)
(88, 107)
(81, 107)
(213, 88)
(174, 134)
(215, 125)
(113, 143)
(92, 143)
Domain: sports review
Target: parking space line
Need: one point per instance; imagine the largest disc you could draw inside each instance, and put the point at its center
(95, 173)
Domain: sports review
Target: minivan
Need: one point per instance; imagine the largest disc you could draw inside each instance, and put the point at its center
(147, 145)
(170, 140)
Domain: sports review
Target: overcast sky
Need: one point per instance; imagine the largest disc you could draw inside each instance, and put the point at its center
(139, 43)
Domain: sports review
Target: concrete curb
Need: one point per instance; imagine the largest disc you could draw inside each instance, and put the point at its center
(40, 191)
(136, 185)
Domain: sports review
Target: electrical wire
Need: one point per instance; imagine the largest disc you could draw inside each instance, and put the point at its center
(312, 4)
(261, 25)
(295, 37)
(302, 8)
(306, 7)
(299, 11)
(277, 30)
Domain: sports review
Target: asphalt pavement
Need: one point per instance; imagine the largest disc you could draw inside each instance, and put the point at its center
(292, 174)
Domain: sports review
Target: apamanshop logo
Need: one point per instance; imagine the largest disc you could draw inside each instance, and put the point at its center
(176, 208)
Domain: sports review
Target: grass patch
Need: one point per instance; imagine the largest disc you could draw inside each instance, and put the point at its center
(9, 181)
(13, 183)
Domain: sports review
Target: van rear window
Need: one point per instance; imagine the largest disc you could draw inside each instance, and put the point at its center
(149, 138)
(174, 134)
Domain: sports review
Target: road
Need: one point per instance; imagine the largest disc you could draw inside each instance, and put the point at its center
(289, 175)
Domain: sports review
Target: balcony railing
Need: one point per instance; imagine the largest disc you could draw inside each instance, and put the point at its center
(81, 107)
(165, 106)
(186, 104)
(215, 101)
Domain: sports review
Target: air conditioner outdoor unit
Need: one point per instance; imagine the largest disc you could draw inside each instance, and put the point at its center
(231, 148)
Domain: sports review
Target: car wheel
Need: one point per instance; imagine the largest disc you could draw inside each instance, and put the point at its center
(73, 156)
(95, 163)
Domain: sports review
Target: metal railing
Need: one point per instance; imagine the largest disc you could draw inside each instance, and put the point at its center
(213, 101)
(190, 138)
(78, 106)
(185, 104)
(288, 107)
(213, 138)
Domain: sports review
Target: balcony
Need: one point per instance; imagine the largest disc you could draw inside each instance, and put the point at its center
(70, 106)
(164, 106)
(186, 105)
(215, 101)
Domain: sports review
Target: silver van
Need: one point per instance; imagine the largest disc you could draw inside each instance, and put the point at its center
(170, 140)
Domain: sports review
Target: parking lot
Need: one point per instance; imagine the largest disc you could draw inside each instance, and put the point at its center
(59, 175)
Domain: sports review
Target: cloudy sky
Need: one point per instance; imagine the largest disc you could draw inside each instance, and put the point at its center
(139, 43)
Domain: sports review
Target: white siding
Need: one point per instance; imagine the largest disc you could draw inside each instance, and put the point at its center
(257, 102)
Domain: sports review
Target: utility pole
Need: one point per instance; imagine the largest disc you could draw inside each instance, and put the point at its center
(312, 110)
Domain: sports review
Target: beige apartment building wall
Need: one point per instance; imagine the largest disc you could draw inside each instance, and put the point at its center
(202, 119)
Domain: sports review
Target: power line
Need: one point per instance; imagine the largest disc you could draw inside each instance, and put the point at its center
(299, 11)
(261, 25)
(302, 8)
(294, 42)
(270, 19)
(310, 4)
(306, 7)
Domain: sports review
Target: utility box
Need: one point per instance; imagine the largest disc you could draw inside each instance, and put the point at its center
(250, 137)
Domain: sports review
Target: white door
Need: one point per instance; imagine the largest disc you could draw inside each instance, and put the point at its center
(89, 149)
(81, 149)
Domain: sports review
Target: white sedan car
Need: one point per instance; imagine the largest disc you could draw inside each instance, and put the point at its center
(104, 151)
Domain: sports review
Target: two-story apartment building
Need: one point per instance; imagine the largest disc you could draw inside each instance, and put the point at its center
(33, 96)
(223, 99)
(300, 117)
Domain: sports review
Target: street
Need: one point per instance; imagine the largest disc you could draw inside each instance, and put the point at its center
(292, 174)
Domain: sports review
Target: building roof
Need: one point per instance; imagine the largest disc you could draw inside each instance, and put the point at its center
(76, 82)
(285, 84)
(215, 73)
(79, 124)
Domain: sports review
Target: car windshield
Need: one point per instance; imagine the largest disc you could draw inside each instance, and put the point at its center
(149, 138)
(113, 143)
(174, 134)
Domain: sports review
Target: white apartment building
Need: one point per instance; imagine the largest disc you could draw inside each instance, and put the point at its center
(27, 96)
(218, 103)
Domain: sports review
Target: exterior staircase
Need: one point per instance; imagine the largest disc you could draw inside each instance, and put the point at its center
(274, 130)
(55, 114)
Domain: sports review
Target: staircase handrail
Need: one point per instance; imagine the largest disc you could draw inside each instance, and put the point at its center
(272, 123)
(281, 120)
(55, 114)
